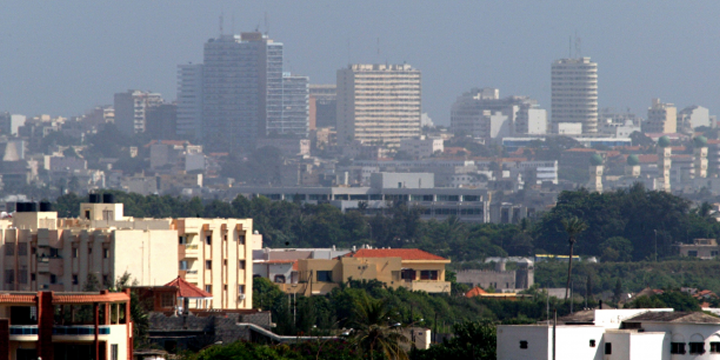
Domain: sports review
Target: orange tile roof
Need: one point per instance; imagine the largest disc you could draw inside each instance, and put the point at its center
(476, 291)
(17, 299)
(188, 290)
(405, 254)
(66, 299)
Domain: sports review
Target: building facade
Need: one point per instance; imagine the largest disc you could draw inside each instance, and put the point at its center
(189, 101)
(242, 90)
(574, 93)
(44, 252)
(131, 110)
(295, 120)
(323, 105)
(662, 118)
(378, 104)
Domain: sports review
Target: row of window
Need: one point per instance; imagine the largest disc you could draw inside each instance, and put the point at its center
(208, 264)
(696, 348)
(182, 240)
(241, 288)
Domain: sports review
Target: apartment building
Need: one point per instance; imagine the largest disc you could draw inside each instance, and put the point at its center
(661, 119)
(242, 90)
(189, 101)
(131, 110)
(574, 94)
(378, 104)
(481, 113)
(421, 147)
(44, 252)
(54, 325)
(295, 120)
(323, 105)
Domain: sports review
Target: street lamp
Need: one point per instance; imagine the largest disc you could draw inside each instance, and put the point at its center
(655, 230)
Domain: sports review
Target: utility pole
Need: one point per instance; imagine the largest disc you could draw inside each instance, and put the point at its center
(554, 344)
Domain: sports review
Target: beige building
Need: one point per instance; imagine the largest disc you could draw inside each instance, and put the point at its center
(662, 118)
(574, 97)
(378, 104)
(44, 252)
(413, 269)
(700, 248)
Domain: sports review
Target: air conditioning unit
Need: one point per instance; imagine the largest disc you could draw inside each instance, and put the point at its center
(241, 297)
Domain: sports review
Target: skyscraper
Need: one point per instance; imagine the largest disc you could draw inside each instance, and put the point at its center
(189, 101)
(574, 97)
(295, 109)
(378, 104)
(242, 90)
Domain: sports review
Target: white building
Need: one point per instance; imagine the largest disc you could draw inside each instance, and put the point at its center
(627, 334)
(378, 104)
(692, 117)
(662, 118)
(421, 147)
(575, 93)
(295, 118)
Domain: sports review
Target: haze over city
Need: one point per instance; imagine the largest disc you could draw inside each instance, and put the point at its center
(63, 58)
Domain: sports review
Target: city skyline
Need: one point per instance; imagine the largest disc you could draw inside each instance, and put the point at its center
(51, 50)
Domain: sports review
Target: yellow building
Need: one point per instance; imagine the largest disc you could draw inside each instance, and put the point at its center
(413, 269)
(44, 252)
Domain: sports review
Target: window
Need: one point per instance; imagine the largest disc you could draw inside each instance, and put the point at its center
(106, 253)
(280, 279)
(429, 275)
(677, 348)
(167, 300)
(208, 288)
(715, 347)
(523, 344)
(22, 249)
(208, 264)
(225, 287)
(225, 262)
(241, 264)
(241, 289)
(608, 348)
(208, 239)
(697, 348)
(225, 237)
(53, 278)
(9, 249)
(75, 280)
(183, 265)
(324, 276)
(241, 239)
(54, 253)
(89, 251)
(32, 277)
(182, 240)
(106, 279)
(87, 214)
(75, 252)
(592, 343)
(114, 352)
(714, 253)
(692, 253)
(408, 274)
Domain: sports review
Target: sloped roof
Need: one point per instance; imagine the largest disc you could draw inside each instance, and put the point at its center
(188, 290)
(692, 317)
(476, 291)
(404, 254)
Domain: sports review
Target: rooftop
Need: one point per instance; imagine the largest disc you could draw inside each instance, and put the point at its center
(188, 290)
(692, 317)
(404, 254)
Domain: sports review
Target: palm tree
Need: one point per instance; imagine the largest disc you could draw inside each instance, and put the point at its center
(376, 330)
(573, 227)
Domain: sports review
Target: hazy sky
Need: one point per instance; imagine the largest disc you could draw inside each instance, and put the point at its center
(64, 57)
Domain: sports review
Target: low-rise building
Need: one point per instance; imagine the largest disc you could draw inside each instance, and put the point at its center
(51, 325)
(700, 248)
(413, 269)
(628, 334)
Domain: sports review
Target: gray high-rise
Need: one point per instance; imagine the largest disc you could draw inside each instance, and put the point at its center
(242, 90)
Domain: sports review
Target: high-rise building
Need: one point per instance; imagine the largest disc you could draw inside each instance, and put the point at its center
(574, 97)
(323, 105)
(378, 104)
(131, 110)
(481, 113)
(662, 118)
(295, 109)
(161, 121)
(189, 101)
(242, 90)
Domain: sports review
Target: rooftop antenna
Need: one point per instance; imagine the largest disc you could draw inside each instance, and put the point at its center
(578, 51)
(221, 24)
(267, 29)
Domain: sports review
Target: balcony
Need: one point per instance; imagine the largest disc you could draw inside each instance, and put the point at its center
(191, 251)
(23, 332)
(43, 264)
(429, 286)
(191, 276)
(79, 330)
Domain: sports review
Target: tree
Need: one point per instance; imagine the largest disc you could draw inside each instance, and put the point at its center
(375, 329)
(573, 227)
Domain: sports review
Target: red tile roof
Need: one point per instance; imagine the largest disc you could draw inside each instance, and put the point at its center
(188, 290)
(476, 291)
(405, 254)
(66, 299)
